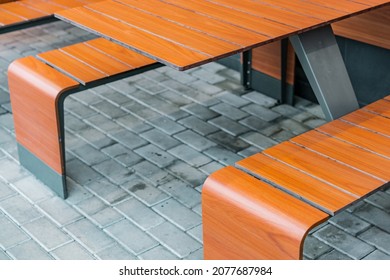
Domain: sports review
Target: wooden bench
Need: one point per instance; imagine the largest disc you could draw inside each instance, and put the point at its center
(264, 207)
(38, 87)
(16, 15)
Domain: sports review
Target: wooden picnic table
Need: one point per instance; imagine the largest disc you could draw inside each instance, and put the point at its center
(188, 33)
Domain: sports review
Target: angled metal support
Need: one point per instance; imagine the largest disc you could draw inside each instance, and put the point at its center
(246, 69)
(320, 56)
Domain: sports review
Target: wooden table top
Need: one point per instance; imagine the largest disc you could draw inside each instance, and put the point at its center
(187, 33)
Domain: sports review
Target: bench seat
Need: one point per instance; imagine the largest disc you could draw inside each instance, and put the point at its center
(265, 205)
(27, 13)
(38, 87)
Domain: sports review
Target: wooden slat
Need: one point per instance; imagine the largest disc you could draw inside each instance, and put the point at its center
(306, 8)
(324, 168)
(341, 5)
(244, 20)
(7, 18)
(22, 11)
(324, 196)
(72, 67)
(371, 27)
(130, 58)
(95, 59)
(215, 28)
(358, 136)
(381, 107)
(370, 121)
(165, 51)
(245, 218)
(66, 4)
(165, 29)
(272, 13)
(346, 153)
(42, 6)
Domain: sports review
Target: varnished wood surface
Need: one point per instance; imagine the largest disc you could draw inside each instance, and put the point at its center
(26, 10)
(245, 218)
(370, 121)
(187, 33)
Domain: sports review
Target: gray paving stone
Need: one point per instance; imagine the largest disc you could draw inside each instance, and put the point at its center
(334, 255)
(175, 239)
(103, 124)
(182, 192)
(258, 140)
(211, 167)
(48, 235)
(175, 98)
(313, 123)
(235, 144)
(7, 122)
(74, 124)
(96, 138)
(378, 238)
(198, 125)
(200, 111)
(115, 252)
(131, 237)
(139, 213)
(229, 126)
(87, 97)
(261, 112)
(282, 135)
(232, 99)
(59, 211)
(133, 123)
(315, 110)
(72, 251)
(5, 190)
(194, 140)
(314, 248)
(189, 155)
(88, 234)
(349, 223)
(76, 192)
(106, 217)
(19, 209)
(113, 171)
(80, 172)
(156, 155)
(5, 136)
(286, 110)
(197, 233)
(375, 216)
(160, 139)
(77, 108)
(205, 76)
(89, 154)
(205, 87)
(345, 243)
(108, 109)
(11, 171)
(148, 194)
(29, 250)
(158, 253)
(178, 214)
(107, 191)
(187, 173)
(166, 125)
(197, 255)
(222, 155)
(90, 206)
(150, 86)
(294, 126)
(10, 233)
(381, 200)
(115, 97)
(377, 255)
(260, 99)
(4, 256)
(33, 189)
(128, 139)
(255, 123)
(229, 111)
(152, 173)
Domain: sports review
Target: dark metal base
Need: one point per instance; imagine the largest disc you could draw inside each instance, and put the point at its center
(43, 172)
(27, 24)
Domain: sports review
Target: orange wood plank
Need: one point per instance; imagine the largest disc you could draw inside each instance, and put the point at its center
(306, 8)
(244, 20)
(316, 192)
(71, 66)
(272, 13)
(371, 27)
(157, 48)
(328, 170)
(129, 57)
(361, 137)
(207, 25)
(7, 18)
(381, 107)
(245, 218)
(165, 29)
(369, 121)
(20, 10)
(95, 59)
(341, 5)
(346, 153)
(38, 106)
(42, 6)
(67, 3)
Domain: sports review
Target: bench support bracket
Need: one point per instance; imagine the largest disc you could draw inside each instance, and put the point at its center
(320, 56)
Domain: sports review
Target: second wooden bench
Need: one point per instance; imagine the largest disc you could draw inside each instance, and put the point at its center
(38, 87)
